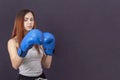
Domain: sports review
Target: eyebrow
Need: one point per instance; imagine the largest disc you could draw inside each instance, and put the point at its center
(28, 18)
(25, 18)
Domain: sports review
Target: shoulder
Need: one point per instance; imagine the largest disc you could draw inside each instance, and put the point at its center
(12, 42)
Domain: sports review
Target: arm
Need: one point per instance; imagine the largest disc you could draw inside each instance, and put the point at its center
(48, 47)
(46, 61)
(12, 49)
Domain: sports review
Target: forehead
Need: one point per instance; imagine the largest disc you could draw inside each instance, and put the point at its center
(29, 14)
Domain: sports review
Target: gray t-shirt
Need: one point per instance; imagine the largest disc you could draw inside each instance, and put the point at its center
(31, 65)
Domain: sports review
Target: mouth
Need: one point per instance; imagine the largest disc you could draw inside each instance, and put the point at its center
(29, 26)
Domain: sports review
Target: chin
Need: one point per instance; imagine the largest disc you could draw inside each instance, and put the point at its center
(29, 29)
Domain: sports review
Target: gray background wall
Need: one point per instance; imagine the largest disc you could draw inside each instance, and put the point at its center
(87, 37)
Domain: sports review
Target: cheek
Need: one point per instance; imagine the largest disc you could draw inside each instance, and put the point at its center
(33, 23)
(25, 25)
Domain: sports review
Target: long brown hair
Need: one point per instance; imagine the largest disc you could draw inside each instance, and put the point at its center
(18, 29)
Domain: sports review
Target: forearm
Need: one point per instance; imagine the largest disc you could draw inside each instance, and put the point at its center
(16, 61)
(47, 60)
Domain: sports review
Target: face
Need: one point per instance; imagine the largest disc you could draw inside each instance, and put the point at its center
(28, 21)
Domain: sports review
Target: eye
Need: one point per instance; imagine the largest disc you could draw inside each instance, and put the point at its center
(31, 19)
(25, 19)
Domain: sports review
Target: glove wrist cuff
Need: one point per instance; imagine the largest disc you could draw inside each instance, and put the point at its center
(49, 52)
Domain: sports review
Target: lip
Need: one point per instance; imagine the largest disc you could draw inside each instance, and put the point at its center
(29, 26)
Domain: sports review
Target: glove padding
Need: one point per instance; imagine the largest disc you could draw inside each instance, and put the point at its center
(49, 43)
(33, 37)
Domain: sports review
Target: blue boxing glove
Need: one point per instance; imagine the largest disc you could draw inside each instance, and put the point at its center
(33, 37)
(49, 43)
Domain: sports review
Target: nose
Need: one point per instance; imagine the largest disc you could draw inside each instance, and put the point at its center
(29, 21)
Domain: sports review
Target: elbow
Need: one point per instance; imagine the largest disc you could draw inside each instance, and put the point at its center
(48, 66)
(14, 66)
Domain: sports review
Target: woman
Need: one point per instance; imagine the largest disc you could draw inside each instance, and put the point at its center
(30, 66)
